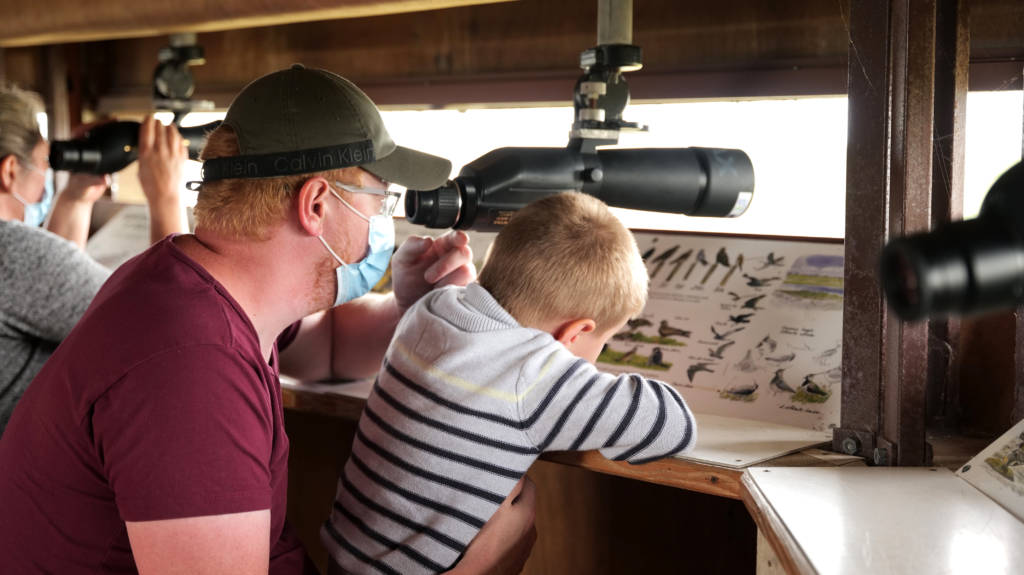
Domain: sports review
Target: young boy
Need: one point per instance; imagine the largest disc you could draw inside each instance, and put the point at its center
(478, 381)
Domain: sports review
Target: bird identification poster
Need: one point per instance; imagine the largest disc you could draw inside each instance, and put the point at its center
(742, 327)
(998, 471)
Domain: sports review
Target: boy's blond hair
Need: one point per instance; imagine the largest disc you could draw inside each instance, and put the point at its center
(248, 208)
(566, 257)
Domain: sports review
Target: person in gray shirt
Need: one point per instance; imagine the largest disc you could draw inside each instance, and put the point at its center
(46, 280)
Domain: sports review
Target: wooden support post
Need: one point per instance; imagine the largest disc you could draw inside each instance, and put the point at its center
(889, 174)
(952, 51)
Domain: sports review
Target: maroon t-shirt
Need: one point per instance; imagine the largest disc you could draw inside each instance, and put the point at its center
(158, 405)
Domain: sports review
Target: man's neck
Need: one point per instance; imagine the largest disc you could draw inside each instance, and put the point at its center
(271, 284)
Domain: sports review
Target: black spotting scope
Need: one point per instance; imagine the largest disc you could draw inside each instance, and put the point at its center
(692, 181)
(108, 148)
(962, 267)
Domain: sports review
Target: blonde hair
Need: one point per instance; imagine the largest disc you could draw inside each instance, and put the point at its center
(566, 257)
(19, 125)
(247, 208)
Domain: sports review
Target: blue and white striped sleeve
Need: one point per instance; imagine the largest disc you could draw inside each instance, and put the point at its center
(628, 417)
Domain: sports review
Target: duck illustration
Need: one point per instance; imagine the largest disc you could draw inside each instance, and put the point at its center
(665, 330)
(779, 383)
(696, 368)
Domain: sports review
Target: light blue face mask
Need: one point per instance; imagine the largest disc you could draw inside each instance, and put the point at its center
(358, 279)
(35, 214)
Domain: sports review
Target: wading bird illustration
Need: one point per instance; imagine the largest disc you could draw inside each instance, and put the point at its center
(724, 335)
(779, 383)
(665, 330)
(752, 302)
(696, 368)
(771, 261)
(782, 358)
(742, 390)
(701, 259)
(678, 263)
(717, 353)
(721, 259)
(810, 386)
(741, 318)
(660, 260)
(656, 358)
(759, 282)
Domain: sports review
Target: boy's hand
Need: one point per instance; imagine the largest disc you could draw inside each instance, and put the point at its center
(504, 544)
(422, 264)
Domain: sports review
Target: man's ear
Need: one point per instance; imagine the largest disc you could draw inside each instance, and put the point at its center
(8, 165)
(311, 205)
(570, 331)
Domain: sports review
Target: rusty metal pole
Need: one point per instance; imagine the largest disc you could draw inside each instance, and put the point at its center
(889, 173)
(952, 55)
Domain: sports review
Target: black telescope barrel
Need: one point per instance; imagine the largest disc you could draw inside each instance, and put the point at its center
(110, 147)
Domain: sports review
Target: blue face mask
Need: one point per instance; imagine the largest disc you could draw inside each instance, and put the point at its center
(358, 279)
(35, 214)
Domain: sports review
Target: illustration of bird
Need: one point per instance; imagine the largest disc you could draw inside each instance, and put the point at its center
(648, 253)
(717, 353)
(752, 302)
(665, 330)
(656, 358)
(810, 386)
(747, 364)
(724, 335)
(738, 265)
(779, 383)
(824, 356)
(782, 358)
(628, 355)
(735, 296)
(701, 259)
(741, 318)
(659, 261)
(742, 390)
(678, 263)
(770, 260)
(768, 343)
(637, 323)
(696, 368)
(721, 259)
(759, 282)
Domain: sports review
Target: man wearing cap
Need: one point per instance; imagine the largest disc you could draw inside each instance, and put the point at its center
(153, 440)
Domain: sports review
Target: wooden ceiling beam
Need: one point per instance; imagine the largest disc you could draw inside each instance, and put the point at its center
(33, 23)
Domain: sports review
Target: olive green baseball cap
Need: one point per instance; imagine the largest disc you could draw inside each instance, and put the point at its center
(303, 120)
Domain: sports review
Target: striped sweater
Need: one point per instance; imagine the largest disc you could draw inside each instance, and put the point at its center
(467, 399)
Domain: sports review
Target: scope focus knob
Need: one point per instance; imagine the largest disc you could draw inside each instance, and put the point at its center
(449, 204)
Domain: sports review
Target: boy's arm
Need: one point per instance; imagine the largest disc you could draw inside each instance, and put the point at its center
(628, 417)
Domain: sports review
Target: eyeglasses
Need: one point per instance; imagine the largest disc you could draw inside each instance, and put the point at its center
(389, 202)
